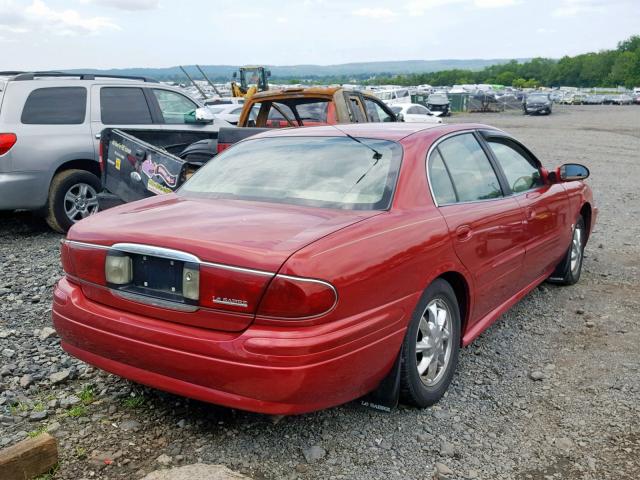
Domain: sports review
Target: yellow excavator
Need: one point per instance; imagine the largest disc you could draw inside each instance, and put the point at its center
(252, 79)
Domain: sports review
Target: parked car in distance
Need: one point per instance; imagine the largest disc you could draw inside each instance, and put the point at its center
(556, 96)
(50, 126)
(439, 102)
(577, 99)
(593, 100)
(305, 268)
(228, 112)
(414, 112)
(537, 103)
(210, 102)
(622, 99)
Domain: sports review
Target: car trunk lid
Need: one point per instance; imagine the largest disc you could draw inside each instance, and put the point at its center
(240, 245)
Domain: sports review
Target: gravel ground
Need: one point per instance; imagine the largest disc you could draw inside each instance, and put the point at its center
(551, 391)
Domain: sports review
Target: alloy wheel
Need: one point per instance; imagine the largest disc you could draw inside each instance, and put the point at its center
(80, 201)
(576, 249)
(433, 342)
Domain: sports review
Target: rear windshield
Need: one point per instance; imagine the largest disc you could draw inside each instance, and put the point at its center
(330, 172)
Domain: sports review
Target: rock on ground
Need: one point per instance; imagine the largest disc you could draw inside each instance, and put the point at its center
(198, 471)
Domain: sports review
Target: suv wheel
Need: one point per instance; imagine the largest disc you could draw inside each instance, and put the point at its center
(73, 195)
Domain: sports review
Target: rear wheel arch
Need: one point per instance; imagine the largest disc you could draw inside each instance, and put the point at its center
(90, 166)
(461, 288)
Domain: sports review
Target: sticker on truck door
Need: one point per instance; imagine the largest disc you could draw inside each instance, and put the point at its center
(159, 171)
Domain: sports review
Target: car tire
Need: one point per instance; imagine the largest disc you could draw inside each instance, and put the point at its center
(569, 269)
(71, 189)
(434, 332)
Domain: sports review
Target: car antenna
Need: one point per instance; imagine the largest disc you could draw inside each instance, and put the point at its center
(376, 154)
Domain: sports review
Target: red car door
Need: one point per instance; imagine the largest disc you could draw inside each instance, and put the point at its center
(486, 227)
(545, 206)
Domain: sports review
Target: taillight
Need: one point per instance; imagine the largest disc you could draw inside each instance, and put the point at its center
(7, 140)
(232, 289)
(100, 157)
(294, 298)
(84, 262)
(65, 258)
(222, 147)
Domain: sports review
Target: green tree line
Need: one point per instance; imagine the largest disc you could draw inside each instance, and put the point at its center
(607, 68)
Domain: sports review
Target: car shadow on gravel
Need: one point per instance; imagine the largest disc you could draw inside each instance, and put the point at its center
(22, 224)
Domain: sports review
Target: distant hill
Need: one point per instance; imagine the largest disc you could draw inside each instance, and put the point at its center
(358, 70)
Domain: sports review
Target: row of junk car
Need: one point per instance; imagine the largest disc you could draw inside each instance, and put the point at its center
(425, 103)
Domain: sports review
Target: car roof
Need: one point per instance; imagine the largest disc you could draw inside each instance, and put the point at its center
(394, 131)
(305, 92)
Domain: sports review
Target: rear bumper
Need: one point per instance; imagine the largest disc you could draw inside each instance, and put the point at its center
(271, 370)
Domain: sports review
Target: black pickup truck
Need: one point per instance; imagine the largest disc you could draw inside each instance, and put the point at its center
(137, 164)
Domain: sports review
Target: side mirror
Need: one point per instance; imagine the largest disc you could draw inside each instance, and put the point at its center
(204, 115)
(400, 117)
(268, 73)
(570, 172)
(235, 74)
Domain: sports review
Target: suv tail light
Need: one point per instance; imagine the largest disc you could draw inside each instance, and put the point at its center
(295, 298)
(222, 147)
(7, 140)
(100, 156)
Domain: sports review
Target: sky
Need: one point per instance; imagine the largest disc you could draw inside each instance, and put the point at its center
(56, 34)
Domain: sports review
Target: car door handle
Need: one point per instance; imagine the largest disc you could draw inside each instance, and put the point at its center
(463, 233)
(531, 213)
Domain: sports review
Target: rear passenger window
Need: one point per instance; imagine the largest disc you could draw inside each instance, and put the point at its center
(441, 185)
(124, 106)
(55, 106)
(470, 170)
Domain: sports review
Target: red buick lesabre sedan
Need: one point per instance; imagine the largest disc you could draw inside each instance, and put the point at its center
(305, 268)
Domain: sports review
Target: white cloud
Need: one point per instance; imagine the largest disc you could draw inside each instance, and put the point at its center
(494, 3)
(374, 12)
(571, 8)
(130, 5)
(38, 16)
(417, 8)
(282, 20)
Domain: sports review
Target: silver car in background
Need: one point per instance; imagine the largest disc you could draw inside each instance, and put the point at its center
(50, 126)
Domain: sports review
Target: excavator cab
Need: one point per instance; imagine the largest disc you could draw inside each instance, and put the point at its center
(252, 80)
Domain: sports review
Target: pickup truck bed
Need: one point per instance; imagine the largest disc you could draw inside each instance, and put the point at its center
(137, 164)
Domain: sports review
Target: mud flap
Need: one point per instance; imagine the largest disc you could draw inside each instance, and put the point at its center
(387, 395)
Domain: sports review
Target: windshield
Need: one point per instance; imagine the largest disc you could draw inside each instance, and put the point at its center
(439, 97)
(396, 110)
(538, 98)
(330, 172)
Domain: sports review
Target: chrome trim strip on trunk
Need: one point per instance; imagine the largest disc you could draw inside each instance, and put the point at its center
(154, 302)
(167, 253)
